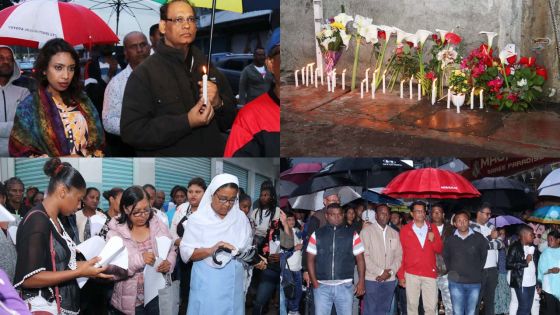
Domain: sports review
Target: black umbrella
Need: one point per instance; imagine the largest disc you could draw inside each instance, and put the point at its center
(504, 194)
(367, 172)
(316, 184)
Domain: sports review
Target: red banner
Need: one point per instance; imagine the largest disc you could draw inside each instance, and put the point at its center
(501, 166)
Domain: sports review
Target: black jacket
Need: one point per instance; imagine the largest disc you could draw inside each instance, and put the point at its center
(159, 94)
(335, 259)
(516, 262)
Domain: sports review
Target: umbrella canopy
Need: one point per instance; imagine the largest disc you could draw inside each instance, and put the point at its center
(316, 184)
(33, 23)
(283, 190)
(374, 197)
(314, 201)
(301, 172)
(125, 16)
(503, 193)
(546, 215)
(239, 6)
(504, 220)
(550, 185)
(430, 183)
(368, 172)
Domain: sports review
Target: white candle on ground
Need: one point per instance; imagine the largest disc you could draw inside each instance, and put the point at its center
(419, 91)
(343, 79)
(384, 81)
(472, 99)
(334, 80)
(402, 83)
(364, 82)
(205, 86)
(367, 79)
(311, 72)
(481, 99)
(373, 89)
(449, 97)
(296, 76)
(374, 83)
(303, 76)
(316, 74)
(458, 109)
(321, 72)
(410, 86)
(328, 82)
(434, 91)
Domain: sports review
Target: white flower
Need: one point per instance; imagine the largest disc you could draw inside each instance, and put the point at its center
(328, 33)
(507, 52)
(401, 35)
(442, 33)
(343, 18)
(552, 92)
(522, 83)
(422, 36)
(447, 56)
(345, 38)
(413, 39)
(371, 34)
(325, 43)
(387, 29)
(490, 36)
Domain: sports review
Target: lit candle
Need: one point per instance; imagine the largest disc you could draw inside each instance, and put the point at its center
(384, 81)
(481, 99)
(362, 88)
(205, 86)
(402, 83)
(343, 79)
(296, 76)
(449, 97)
(472, 98)
(303, 76)
(434, 91)
(410, 86)
(419, 91)
(373, 88)
(367, 79)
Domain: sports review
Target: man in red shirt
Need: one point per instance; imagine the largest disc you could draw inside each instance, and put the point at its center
(420, 242)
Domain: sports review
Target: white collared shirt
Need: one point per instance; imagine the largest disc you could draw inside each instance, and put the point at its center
(421, 232)
(384, 230)
(461, 236)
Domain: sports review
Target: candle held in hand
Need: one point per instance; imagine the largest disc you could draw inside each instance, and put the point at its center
(205, 86)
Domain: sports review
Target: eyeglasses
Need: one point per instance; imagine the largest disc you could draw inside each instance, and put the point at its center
(223, 200)
(141, 214)
(180, 20)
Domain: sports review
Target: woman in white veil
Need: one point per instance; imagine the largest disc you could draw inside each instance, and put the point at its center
(213, 236)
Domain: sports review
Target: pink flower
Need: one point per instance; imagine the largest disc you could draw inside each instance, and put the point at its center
(513, 97)
(495, 85)
(431, 75)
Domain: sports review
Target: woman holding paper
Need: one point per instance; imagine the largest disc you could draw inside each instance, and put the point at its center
(46, 268)
(138, 227)
(213, 236)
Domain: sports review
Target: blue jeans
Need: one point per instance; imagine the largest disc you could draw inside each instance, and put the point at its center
(379, 296)
(269, 282)
(341, 295)
(464, 297)
(525, 296)
(293, 304)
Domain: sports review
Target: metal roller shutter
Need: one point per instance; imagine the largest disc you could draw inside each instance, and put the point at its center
(241, 173)
(179, 171)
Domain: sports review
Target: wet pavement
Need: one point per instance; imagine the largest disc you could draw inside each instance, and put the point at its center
(320, 123)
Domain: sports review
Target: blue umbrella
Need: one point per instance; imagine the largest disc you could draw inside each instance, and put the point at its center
(546, 215)
(504, 220)
(374, 197)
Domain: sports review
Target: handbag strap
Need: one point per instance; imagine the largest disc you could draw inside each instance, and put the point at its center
(56, 291)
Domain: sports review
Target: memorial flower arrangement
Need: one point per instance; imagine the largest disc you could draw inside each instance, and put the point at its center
(333, 38)
(459, 82)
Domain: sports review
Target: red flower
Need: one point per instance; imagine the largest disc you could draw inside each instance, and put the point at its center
(527, 61)
(495, 85)
(410, 44)
(399, 50)
(431, 75)
(453, 38)
(508, 70)
(513, 97)
(382, 35)
(500, 96)
(542, 72)
(511, 59)
(436, 39)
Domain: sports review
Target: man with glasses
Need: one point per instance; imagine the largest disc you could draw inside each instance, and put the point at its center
(483, 226)
(163, 110)
(136, 50)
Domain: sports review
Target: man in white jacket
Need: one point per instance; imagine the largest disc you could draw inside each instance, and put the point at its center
(11, 96)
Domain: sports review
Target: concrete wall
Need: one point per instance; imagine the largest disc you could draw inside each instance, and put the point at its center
(516, 21)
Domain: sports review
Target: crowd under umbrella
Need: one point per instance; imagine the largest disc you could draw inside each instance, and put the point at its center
(315, 201)
(550, 186)
(300, 172)
(33, 23)
(506, 195)
(367, 172)
(318, 185)
(377, 198)
(546, 215)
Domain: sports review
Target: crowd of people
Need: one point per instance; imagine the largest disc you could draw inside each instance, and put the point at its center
(225, 249)
(151, 105)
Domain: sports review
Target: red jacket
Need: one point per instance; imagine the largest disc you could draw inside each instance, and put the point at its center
(418, 260)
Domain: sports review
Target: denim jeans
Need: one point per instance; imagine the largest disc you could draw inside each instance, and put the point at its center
(339, 295)
(525, 296)
(379, 296)
(268, 283)
(464, 297)
(293, 304)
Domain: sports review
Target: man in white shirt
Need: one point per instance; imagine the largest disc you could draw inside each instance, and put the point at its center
(136, 50)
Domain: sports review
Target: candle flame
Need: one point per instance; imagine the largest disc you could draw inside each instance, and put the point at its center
(204, 69)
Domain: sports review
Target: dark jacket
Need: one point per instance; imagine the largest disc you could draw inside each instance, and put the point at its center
(465, 258)
(516, 262)
(335, 259)
(159, 94)
(314, 223)
(448, 230)
(252, 84)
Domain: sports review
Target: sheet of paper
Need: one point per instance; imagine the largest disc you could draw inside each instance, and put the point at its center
(12, 231)
(163, 244)
(5, 215)
(153, 281)
(96, 224)
(92, 247)
(121, 260)
(113, 247)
